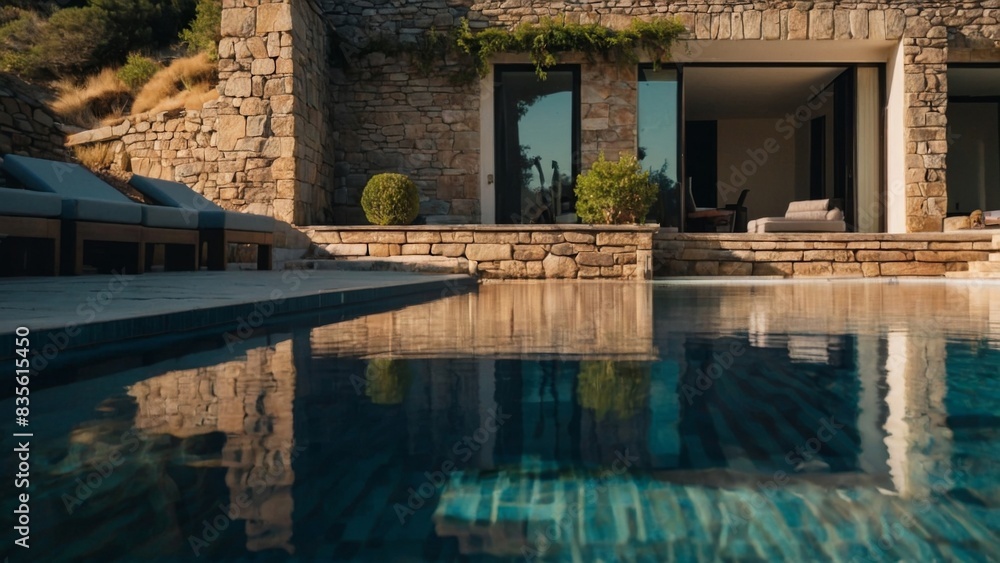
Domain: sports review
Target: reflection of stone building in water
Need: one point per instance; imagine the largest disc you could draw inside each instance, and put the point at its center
(249, 400)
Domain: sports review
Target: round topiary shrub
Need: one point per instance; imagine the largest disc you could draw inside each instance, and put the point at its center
(615, 192)
(390, 199)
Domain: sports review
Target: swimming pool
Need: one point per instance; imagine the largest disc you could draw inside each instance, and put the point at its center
(848, 421)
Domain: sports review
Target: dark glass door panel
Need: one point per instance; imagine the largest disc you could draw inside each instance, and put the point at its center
(659, 139)
(537, 144)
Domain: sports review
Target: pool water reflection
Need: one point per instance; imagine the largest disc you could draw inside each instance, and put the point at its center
(825, 421)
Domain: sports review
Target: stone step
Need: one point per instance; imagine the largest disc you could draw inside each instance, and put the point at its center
(995, 257)
(419, 264)
(990, 267)
(996, 242)
(972, 276)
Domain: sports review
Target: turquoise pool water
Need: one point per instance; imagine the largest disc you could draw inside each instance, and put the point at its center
(556, 422)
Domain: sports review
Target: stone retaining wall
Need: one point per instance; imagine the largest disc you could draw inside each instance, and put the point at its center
(27, 127)
(505, 252)
(819, 255)
(178, 145)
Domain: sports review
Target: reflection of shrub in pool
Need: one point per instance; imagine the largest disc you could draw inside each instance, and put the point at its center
(619, 388)
(386, 381)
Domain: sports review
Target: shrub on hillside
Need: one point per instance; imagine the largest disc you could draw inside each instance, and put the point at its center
(137, 71)
(137, 25)
(390, 199)
(203, 35)
(76, 40)
(615, 192)
(70, 42)
(19, 31)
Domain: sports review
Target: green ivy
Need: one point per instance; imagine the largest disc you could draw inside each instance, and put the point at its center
(549, 38)
(544, 42)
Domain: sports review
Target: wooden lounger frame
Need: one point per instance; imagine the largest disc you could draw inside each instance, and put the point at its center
(35, 228)
(218, 241)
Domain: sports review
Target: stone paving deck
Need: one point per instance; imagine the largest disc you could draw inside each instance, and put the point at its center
(73, 312)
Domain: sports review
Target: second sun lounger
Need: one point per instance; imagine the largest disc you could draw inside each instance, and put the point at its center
(218, 226)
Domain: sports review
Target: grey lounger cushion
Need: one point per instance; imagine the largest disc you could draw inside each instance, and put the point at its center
(102, 211)
(168, 217)
(22, 203)
(88, 198)
(85, 196)
(211, 216)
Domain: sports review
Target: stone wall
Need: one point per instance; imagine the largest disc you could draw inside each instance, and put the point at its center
(506, 252)
(272, 128)
(249, 400)
(312, 108)
(820, 255)
(173, 145)
(391, 118)
(27, 127)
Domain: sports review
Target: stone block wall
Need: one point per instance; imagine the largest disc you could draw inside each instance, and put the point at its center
(172, 145)
(27, 127)
(311, 188)
(819, 255)
(609, 99)
(272, 128)
(389, 117)
(507, 252)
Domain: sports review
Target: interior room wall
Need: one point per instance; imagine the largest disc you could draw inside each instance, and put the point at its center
(771, 176)
(974, 157)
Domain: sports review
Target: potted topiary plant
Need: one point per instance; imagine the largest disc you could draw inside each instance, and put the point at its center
(615, 193)
(390, 199)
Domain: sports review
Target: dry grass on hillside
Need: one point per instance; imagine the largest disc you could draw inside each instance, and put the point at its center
(97, 156)
(101, 96)
(187, 83)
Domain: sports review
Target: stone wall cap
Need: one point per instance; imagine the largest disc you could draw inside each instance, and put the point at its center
(488, 228)
(951, 236)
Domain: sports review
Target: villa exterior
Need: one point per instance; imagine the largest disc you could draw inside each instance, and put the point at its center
(866, 102)
(869, 103)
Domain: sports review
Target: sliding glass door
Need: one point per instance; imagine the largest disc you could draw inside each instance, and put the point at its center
(537, 125)
(659, 139)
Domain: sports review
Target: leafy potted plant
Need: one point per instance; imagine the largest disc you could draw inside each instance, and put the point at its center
(615, 193)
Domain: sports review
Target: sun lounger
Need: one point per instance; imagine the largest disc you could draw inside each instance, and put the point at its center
(28, 221)
(218, 226)
(811, 216)
(94, 211)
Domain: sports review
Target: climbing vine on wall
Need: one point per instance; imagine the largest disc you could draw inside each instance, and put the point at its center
(544, 42)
